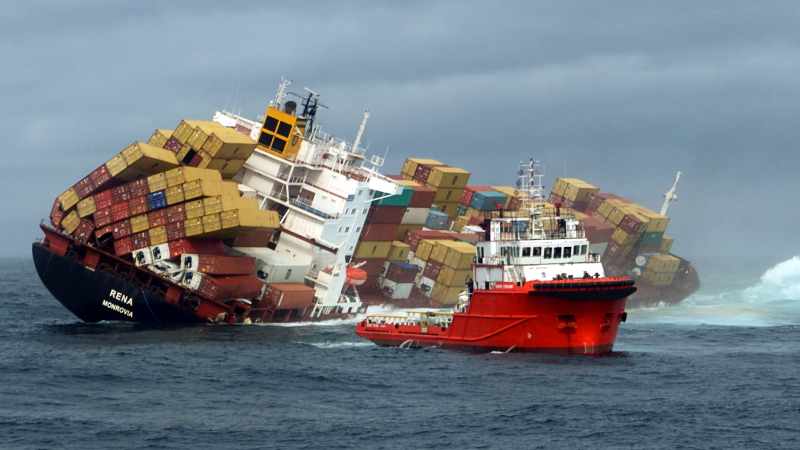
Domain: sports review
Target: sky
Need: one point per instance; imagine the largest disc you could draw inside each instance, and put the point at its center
(621, 94)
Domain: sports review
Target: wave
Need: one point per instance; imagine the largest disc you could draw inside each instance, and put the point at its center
(774, 300)
(334, 322)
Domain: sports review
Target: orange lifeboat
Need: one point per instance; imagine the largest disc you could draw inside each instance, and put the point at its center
(356, 276)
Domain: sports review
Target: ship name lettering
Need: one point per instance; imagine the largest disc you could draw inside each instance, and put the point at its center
(120, 297)
(118, 309)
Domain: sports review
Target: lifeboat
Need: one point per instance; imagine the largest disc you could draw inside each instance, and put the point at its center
(356, 276)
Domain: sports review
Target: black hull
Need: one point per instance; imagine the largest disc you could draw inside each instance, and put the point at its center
(95, 295)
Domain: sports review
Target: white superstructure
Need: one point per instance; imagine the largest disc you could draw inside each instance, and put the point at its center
(323, 191)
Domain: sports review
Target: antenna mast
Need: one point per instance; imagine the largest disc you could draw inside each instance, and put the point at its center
(530, 183)
(280, 94)
(360, 133)
(671, 195)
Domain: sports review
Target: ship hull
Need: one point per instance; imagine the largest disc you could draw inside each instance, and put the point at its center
(570, 321)
(95, 295)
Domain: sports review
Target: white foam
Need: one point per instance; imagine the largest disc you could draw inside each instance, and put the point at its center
(773, 300)
(327, 345)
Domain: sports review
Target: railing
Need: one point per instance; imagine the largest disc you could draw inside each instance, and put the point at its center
(307, 207)
(441, 319)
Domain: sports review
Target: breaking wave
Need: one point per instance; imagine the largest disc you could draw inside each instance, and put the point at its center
(774, 300)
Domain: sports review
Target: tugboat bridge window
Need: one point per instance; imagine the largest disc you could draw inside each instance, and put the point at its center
(548, 253)
(567, 252)
(537, 251)
(557, 252)
(526, 252)
(576, 250)
(583, 249)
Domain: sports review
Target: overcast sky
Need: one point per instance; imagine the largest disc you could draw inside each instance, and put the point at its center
(621, 94)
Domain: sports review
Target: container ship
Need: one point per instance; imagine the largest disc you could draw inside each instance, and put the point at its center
(232, 220)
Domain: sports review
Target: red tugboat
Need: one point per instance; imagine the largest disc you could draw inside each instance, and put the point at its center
(535, 288)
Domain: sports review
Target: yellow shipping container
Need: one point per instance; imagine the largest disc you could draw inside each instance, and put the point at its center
(160, 137)
(399, 251)
(219, 203)
(194, 226)
(449, 276)
(158, 235)
(663, 263)
(373, 249)
(411, 164)
(194, 209)
(249, 218)
(229, 144)
(116, 165)
(439, 251)
(666, 244)
(205, 160)
(70, 222)
(139, 223)
(181, 175)
(86, 207)
(623, 238)
(157, 182)
(174, 194)
(211, 223)
(68, 199)
(201, 133)
(424, 248)
(451, 209)
(659, 278)
(459, 254)
(447, 195)
(448, 177)
(460, 223)
(446, 295)
(201, 188)
(186, 129)
(183, 154)
(217, 164)
(145, 159)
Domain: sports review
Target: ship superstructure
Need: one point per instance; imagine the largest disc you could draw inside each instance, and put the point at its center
(322, 187)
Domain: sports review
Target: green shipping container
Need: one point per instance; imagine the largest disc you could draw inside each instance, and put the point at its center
(651, 239)
(402, 199)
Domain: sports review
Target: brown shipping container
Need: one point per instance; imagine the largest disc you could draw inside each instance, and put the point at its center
(432, 270)
(157, 218)
(379, 232)
(137, 205)
(100, 176)
(403, 230)
(175, 231)
(290, 295)
(386, 214)
(84, 230)
(84, 187)
(56, 214)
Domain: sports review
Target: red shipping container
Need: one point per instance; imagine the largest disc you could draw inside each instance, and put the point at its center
(173, 144)
(386, 214)
(198, 246)
(413, 237)
(379, 232)
(290, 295)
(102, 217)
(120, 194)
(141, 240)
(175, 230)
(56, 214)
(103, 199)
(401, 273)
(137, 205)
(227, 287)
(84, 230)
(138, 188)
(219, 264)
(422, 197)
(422, 173)
(100, 176)
(102, 231)
(432, 270)
(175, 213)
(120, 211)
(469, 191)
(84, 187)
(631, 224)
(157, 218)
(123, 246)
(121, 229)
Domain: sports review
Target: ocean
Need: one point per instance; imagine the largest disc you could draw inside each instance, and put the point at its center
(721, 371)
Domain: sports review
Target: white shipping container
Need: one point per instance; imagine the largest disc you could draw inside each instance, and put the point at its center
(402, 291)
(142, 257)
(415, 216)
(426, 286)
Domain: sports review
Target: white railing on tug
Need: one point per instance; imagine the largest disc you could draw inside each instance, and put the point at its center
(527, 235)
(439, 319)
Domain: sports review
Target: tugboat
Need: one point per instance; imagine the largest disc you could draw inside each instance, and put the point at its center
(536, 287)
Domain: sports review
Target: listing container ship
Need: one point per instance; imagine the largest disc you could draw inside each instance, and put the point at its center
(232, 220)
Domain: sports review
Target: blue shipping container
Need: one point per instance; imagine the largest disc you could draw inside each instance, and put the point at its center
(488, 201)
(156, 200)
(437, 220)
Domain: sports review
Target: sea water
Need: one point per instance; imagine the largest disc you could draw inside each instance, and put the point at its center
(721, 370)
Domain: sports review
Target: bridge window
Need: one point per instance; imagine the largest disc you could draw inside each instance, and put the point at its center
(583, 249)
(526, 251)
(271, 123)
(537, 251)
(567, 252)
(576, 250)
(548, 253)
(557, 252)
